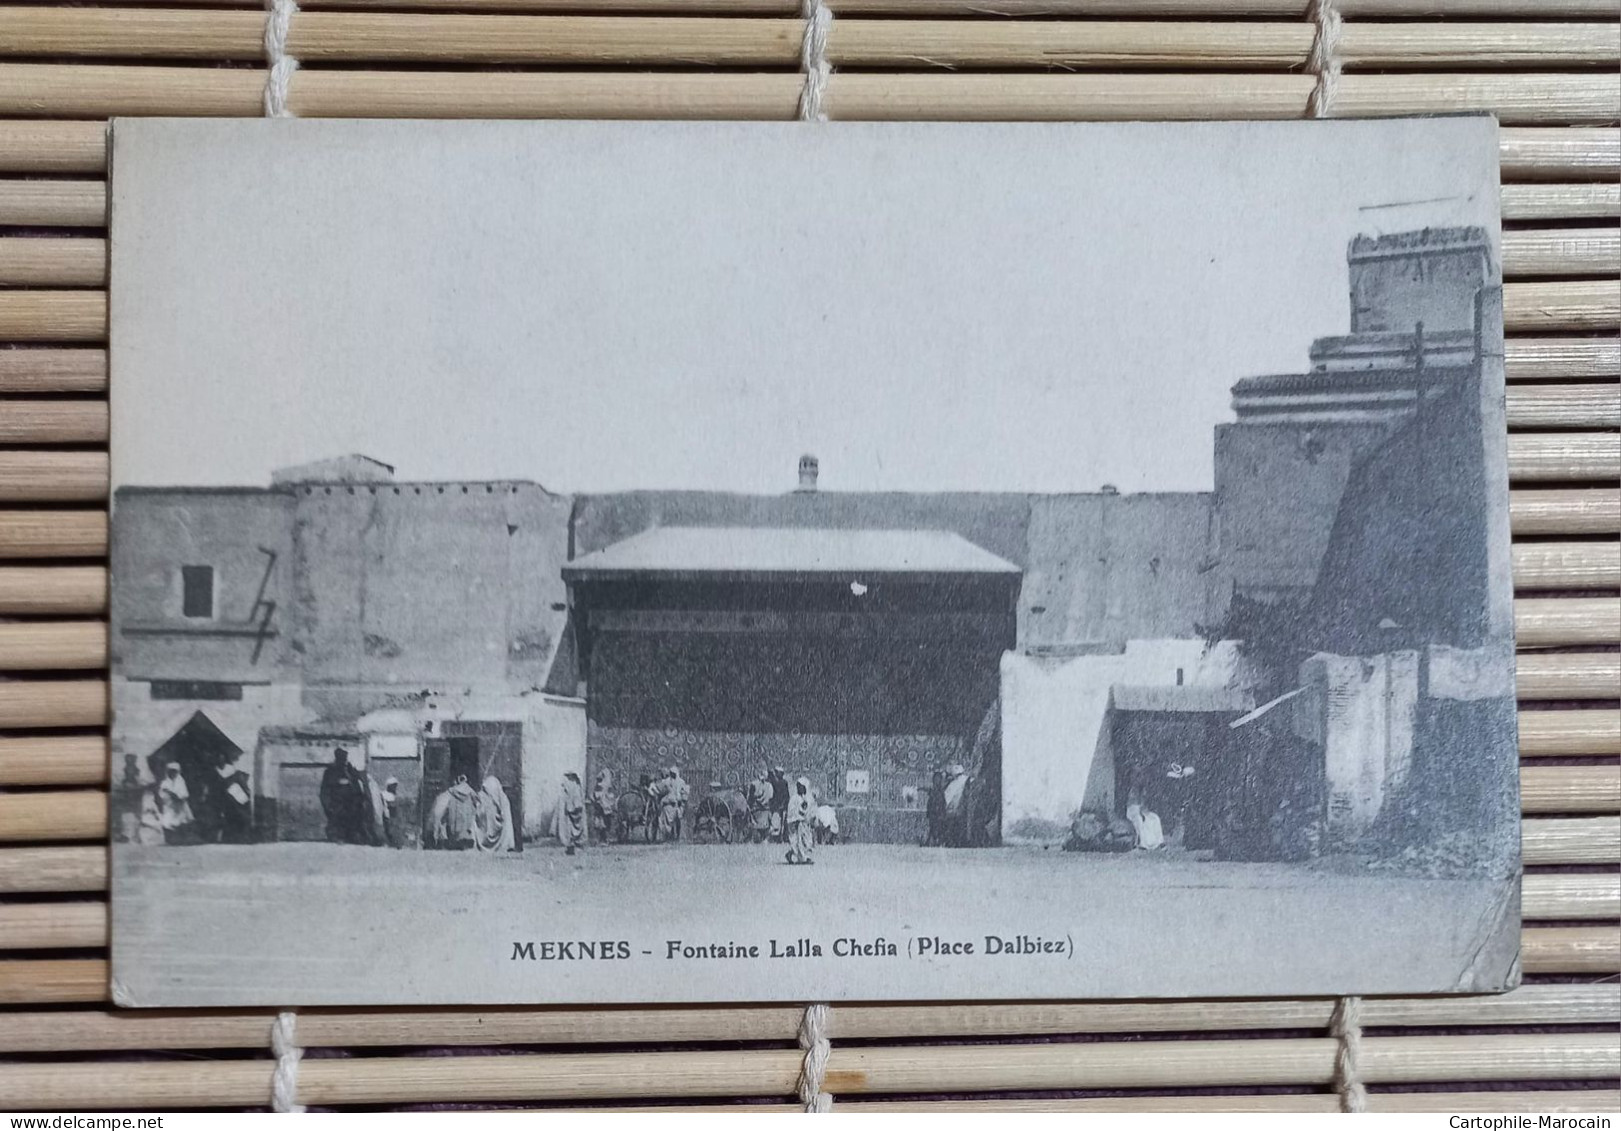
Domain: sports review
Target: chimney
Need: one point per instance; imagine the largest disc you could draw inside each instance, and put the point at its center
(808, 468)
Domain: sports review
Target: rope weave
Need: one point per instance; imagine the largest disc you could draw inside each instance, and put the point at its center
(281, 66)
(1348, 1058)
(1325, 57)
(813, 59)
(284, 1080)
(813, 1039)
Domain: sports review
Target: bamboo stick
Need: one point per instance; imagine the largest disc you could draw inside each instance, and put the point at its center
(1560, 202)
(93, 90)
(1290, 9)
(52, 703)
(1569, 733)
(53, 869)
(52, 926)
(53, 815)
(83, 204)
(52, 476)
(1570, 789)
(1519, 99)
(62, 759)
(1546, 1101)
(1571, 840)
(53, 590)
(85, 422)
(32, 262)
(1193, 1064)
(82, 261)
(1575, 896)
(115, 1030)
(1561, 251)
(1556, 565)
(53, 534)
(1573, 511)
(1571, 950)
(51, 981)
(43, 370)
(1564, 456)
(771, 1072)
(53, 316)
(1569, 675)
(99, 91)
(1539, 307)
(1548, 622)
(708, 39)
(1564, 406)
(1560, 359)
(1532, 154)
(53, 147)
(67, 645)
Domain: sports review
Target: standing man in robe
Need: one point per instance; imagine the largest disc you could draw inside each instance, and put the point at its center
(344, 800)
(956, 799)
(174, 807)
(602, 806)
(672, 804)
(800, 814)
(571, 823)
(936, 811)
(780, 792)
(759, 796)
(453, 822)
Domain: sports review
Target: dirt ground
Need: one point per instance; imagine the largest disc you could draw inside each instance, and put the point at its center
(318, 923)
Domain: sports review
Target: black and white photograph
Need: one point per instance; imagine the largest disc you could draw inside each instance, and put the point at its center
(592, 562)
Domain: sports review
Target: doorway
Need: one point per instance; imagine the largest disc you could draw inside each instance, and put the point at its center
(476, 750)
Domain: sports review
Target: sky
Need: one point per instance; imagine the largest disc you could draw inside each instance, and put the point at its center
(602, 306)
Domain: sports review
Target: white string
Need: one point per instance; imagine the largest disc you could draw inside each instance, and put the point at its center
(284, 1081)
(813, 59)
(1325, 57)
(1348, 1058)
(813, 1039)
(281, 66)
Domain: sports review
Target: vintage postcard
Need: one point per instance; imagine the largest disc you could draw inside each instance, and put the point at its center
(613, 562)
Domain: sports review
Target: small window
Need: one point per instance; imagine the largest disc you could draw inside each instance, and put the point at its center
(197, 591)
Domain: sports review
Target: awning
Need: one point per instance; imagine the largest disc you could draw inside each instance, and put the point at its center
(786, 552)
(1264, 708)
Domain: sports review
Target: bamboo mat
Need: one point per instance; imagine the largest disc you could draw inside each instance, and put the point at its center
(1548, 68)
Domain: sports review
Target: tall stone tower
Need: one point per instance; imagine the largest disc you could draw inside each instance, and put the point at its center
(1282, 467)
